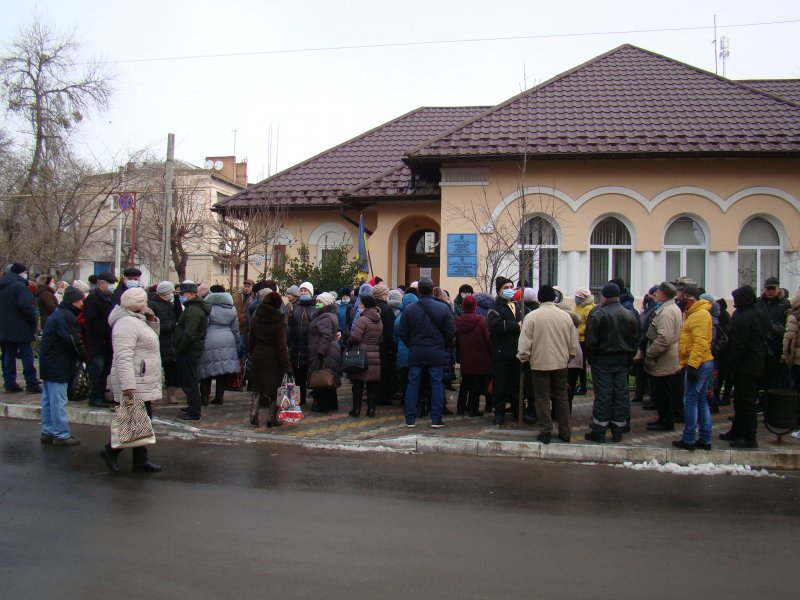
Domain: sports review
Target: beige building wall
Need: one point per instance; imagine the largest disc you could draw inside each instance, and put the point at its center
(647, 196)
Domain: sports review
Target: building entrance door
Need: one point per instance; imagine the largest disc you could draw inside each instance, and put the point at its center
(422, 255)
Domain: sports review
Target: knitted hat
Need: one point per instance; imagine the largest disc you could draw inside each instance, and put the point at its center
(18, 268)
(345, 292)
(365, 290)
(547, 293)
(529, 295)
(202, 290)
(134, 299)
(82, 286)
(707, 297)
(325, 299)
(395, 298)
(610, 290)
(308, 286)
(165, 287)
(72, 294)
(414, 284)
(293, 291)
(500, 282)
(380, 292)
(669, 290)
(583, 293)
(469, 304)
(368, 302)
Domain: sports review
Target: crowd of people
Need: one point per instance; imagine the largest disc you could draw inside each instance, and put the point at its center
(522, 350)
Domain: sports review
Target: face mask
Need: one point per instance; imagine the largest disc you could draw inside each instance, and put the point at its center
(508, 294)
(464, 295)
(24, 275)
(131, 283)
(305, 297)
(344, 301)
(183, 299)
(53, 287)
(319, 305)
(578, 300)
(110, 289)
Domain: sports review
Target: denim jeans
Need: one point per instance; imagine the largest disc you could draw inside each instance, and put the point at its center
(25, 350)
(437, 393)
(695, 405)
(611, 398)
(54, 409)
(98, 368)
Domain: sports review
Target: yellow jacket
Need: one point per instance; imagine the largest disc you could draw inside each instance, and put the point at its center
(583, 310)
(695, 344)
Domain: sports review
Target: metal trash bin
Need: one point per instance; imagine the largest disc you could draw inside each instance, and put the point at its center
(780, 414)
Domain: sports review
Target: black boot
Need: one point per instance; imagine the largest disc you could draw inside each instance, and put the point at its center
(205, 391)
(255, 405)
(219, 392)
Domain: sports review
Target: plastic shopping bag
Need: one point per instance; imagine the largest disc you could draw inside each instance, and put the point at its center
(289, 402)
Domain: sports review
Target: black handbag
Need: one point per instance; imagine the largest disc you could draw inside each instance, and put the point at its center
(78, 388)
(354, 360)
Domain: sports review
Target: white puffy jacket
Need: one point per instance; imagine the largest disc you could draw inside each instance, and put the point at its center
(137, 357)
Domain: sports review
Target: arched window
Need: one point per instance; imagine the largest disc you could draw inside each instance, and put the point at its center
(685, 249)
(538, 242)
(610, 253)
(328, 236)
(759, 253)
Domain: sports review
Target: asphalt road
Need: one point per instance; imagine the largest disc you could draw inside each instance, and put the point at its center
(233, 521)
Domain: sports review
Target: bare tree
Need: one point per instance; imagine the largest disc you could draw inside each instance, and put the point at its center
(238, 235)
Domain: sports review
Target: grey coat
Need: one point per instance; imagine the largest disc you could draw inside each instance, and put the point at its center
(366, 335)
(221, 352)
(322, 340)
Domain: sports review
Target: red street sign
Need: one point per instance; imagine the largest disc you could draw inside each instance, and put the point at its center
(125, 201)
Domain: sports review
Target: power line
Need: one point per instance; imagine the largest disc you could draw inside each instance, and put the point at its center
(442, 42)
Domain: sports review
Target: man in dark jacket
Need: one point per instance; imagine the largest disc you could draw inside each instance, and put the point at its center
(612, 338)
(17, 328)
(131, 278)
(190, 340)
(96, 309)
(302, 311)
(744, 358)
(61, 351)
(427, 328)
(504, 326)
(774, 304)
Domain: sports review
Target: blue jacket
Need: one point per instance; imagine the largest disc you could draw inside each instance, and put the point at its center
(62, 347)
(17, 315)
(400, 346)
(428, 329)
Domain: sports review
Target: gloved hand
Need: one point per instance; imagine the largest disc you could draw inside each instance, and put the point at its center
(691, 374)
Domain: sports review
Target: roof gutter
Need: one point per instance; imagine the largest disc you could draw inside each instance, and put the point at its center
(351, 221)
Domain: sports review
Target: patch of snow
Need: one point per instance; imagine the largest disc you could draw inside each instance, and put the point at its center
(700, 469)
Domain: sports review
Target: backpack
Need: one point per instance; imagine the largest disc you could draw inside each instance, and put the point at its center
(720, 343)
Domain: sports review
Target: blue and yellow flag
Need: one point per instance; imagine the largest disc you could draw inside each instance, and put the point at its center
(363, 252)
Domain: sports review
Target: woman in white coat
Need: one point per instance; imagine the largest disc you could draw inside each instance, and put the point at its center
(136, 368)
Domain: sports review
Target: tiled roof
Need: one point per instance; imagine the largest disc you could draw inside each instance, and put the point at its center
(627, 101)
(788, 89)
(320, 180)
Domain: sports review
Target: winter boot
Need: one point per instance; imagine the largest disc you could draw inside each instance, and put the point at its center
(205, 391)
(273, 414)
(255, 406)
(171, 396)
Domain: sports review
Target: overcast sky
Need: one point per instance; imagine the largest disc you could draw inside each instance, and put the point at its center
(320, 98)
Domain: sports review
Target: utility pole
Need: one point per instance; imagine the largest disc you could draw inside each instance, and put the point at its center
(169, 191)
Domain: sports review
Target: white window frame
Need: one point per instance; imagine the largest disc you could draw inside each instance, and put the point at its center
(760, 277)
(535, 248)
(682, 248)
(610, 250)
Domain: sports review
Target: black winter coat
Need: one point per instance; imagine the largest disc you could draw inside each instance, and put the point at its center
(504, 330)
(62, 347)
(299, 320)
(387, 318)
(611, 330)
(190, 330)
(428, 335)
(96, 309)
(165, 311)
(747, 344)
(17, 316)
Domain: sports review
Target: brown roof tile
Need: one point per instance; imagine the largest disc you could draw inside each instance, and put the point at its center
(627, 101)
(788, 89)
(320, 180)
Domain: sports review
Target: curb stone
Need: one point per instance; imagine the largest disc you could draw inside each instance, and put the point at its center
(776, 459)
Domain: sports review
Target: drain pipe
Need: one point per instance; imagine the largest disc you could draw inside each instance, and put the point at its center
(355, 224)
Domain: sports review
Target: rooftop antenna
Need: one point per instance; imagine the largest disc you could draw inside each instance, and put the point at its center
(724, 52)
(714, 43)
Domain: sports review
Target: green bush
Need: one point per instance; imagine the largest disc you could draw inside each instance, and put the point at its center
(337, 270)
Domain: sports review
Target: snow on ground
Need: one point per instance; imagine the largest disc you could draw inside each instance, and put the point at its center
(701, 469)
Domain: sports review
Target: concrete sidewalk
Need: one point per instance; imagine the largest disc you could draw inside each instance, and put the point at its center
(461, 435)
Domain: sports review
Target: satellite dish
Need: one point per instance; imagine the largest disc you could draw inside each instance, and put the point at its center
(209, 164)
(218, 165)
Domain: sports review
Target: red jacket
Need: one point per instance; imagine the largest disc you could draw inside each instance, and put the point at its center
(473, 345)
